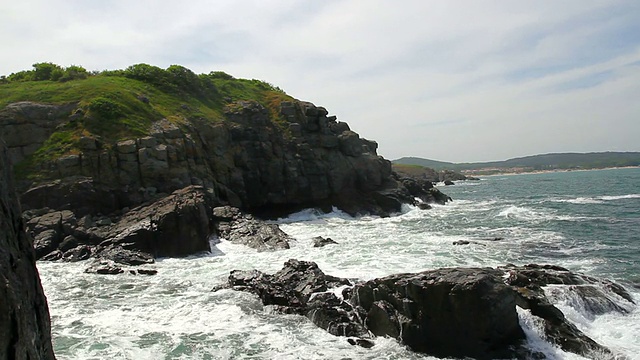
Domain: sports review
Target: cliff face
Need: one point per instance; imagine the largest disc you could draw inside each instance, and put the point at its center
(247, 160)
(25, 331)
(89, 187)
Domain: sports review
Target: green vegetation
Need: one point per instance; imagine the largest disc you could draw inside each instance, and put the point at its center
(562, 161)
(115, 105)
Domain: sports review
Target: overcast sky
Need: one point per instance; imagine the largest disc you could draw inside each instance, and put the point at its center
(446, 80)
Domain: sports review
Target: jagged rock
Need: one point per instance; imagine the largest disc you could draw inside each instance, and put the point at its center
(79, 253)
(247, 161)
(244, 229)
(528, 281)
(449, 182)
(46, 242)
(176, 225)
(454, 312)
(361, 342)
(147, 271)
(446, 312)
(104, 268)
(120, 255)
(461, 242)
(68, 243)
(25, 329)
(424, 206)
(25, 126)
(319, 241)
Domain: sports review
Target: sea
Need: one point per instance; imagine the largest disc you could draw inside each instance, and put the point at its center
(586, 221)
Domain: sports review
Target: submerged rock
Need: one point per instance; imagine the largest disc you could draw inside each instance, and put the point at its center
(319, 241)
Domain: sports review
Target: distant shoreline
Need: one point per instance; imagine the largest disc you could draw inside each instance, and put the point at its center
(549, 171)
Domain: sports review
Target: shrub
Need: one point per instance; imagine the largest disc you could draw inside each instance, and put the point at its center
(105, 108)
(45, 71)
(73, 72)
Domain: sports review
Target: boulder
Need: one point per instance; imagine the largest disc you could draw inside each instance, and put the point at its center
(319, 241)
(176, 225)
(239, 228)
(447, 312)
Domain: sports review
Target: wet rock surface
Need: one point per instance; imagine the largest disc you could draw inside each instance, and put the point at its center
(239, 228)
(451, 312)
(25, 329)
(320, 241)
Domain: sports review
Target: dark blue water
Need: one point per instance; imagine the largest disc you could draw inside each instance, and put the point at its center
(592, 216)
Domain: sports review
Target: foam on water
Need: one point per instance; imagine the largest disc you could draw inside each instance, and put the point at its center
(173, 315)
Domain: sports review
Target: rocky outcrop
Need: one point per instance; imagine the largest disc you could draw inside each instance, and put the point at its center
(262, 165)
(429, 174)
(178, 224)
(155, 193)
(25, 126)
(454, 312)
(244, 229)
(25, 330)
(320, 241)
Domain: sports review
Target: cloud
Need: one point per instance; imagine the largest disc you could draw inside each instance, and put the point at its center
(483, 80)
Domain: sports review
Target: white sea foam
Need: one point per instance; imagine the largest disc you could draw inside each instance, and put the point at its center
(620, 197)
(173, 315)
(596, 199)
(579, 200)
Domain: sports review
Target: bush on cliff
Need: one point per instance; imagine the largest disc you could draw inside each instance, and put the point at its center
(115, 105)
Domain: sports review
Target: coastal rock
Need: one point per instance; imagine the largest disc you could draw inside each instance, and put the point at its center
(176, 225)
(25, 329)
(597, 295)
(26, 125)
(248, 161)
(136, 190)
(300, 287)
(240, 228)
(319, 241)
(446, 312)
(451, 312)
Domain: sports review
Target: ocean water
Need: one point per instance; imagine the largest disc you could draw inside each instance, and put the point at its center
(587, 221)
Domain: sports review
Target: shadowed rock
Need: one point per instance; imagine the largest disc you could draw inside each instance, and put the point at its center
(25, 330)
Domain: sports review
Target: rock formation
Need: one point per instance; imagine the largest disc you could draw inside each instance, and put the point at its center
(155, 193)
(25, 330)
(453, 312)
(249, 161)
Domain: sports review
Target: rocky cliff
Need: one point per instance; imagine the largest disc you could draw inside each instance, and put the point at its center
(25, 331)
(84, 165)
(247, 160)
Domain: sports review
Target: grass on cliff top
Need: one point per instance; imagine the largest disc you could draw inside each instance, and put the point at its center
(122, 104)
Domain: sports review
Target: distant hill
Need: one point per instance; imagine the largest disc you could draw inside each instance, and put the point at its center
(556, 161)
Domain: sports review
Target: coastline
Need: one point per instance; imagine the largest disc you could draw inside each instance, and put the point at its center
(549, 171)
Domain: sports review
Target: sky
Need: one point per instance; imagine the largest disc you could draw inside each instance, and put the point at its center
(459, 81)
